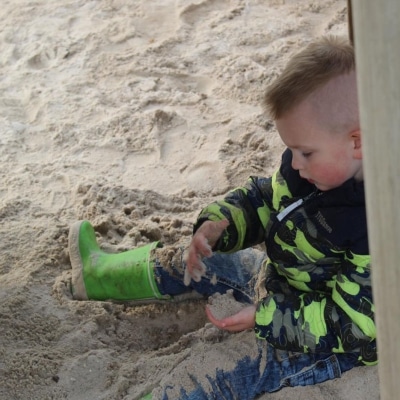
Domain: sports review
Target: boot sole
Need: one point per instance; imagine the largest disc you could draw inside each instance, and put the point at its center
(78, 285)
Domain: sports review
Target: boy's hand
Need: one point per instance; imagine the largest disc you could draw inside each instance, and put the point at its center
(201, 246)
(244, 319)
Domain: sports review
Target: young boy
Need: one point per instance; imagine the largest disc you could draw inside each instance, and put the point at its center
(311, 216)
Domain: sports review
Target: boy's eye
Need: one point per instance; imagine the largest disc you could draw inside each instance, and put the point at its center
(306, 155)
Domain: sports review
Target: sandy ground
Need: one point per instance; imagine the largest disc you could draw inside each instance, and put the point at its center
(134, 115)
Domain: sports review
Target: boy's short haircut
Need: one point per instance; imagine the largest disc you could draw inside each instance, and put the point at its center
(308, 70)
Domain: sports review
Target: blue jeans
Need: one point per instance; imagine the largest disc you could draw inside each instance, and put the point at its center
(237, 271)
(270, 369)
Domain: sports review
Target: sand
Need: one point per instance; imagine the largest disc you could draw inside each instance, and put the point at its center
(133, 115)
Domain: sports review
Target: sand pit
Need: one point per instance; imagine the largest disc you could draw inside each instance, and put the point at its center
(133, 115)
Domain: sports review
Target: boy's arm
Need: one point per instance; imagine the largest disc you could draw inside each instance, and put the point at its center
(320, 323)
(247, 209)
(236, 222)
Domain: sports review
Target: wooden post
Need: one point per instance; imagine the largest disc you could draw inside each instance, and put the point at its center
(350, 21)
(376, 33)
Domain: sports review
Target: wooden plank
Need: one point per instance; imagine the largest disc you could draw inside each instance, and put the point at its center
(376, 34)
(350, 21)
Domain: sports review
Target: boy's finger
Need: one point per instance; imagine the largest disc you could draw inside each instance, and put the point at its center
(186, 277)
(195, 272)
(205, 250)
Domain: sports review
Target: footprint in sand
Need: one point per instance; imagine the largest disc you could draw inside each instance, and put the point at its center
(203, 11)
(202, 178)
(47, 57)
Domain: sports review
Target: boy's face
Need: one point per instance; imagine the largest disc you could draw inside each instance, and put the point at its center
(324, 158)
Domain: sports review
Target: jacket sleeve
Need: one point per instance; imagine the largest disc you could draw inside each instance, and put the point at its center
(248, 210)
(340, 322)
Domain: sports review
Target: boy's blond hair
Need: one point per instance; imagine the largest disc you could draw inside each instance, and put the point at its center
(307, 71)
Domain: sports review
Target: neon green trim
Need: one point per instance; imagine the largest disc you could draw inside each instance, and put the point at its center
(301, 242)
(264, 214)
(314, 316)
(214, 213)
(365, 323)
(265, 314)
(279, 189)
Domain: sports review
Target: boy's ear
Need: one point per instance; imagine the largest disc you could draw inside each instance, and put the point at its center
(356, 138)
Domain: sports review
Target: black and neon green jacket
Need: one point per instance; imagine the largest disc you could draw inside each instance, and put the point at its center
(318, 271)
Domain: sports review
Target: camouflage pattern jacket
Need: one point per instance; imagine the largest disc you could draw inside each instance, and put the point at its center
(318, 269)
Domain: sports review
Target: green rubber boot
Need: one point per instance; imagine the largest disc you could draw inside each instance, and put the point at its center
(97, 275)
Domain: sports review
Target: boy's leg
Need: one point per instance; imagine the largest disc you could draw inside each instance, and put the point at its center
(249, 370)
(242, 368)
(237, 271)
(138, 274)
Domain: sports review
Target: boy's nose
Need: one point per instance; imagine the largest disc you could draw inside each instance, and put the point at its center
(296, 164)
